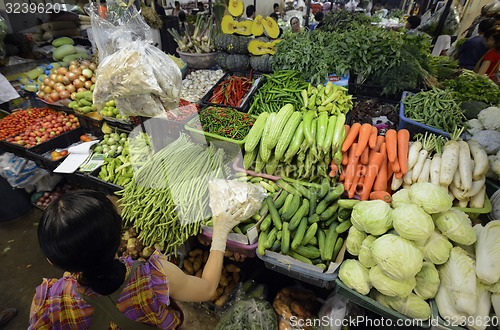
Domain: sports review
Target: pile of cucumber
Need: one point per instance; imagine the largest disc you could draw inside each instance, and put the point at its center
(306, 223)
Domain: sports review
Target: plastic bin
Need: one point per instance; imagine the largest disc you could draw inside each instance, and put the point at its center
(248, 250)
(90, 124)
(245, 104)
(474, 213)
(413, 126)
(200, 136)
(40, 154)
(90, 181)
(122, 124)
(293, 268)
(439, 323)
(373, 305)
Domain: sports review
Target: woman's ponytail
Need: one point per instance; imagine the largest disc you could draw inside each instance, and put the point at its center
(104, 279)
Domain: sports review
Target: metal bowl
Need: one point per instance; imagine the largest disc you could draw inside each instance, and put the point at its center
(198, 61)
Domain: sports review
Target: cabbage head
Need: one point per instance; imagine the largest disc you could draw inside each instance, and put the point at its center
(455, 225)
(401, 197)
(354, 240)
(365, 253)
(432, 198)
(458, 276)
(412, 306)
(427, 281)
(388, 286)
(436, 248)
(398, 257)
(412, 222)
(355, 276)
(372, 217)
(488, 252)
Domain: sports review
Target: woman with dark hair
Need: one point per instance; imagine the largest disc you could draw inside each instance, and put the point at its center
(295, 25)
(81, 233)
(489, 63)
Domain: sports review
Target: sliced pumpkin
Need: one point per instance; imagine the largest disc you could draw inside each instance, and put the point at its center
(236, 7)
(271, 27)
(230, 26)
(275, 42)
(257, 27)
(258, 47)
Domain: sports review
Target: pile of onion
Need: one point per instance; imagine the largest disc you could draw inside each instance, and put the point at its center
(65, 82)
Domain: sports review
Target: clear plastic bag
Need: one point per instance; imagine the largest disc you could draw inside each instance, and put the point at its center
(450, 25)
(230, 197)
(335, 309)
(249, 314)
(3, 32)
(143, 80)
(20, 172)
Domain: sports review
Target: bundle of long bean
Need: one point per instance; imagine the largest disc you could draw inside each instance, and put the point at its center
(280, 88)
(168, 197)
(436, 107)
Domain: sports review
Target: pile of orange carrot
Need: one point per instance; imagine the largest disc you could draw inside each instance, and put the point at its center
(370, 160)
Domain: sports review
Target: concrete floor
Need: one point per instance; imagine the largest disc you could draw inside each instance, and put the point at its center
(24, 266)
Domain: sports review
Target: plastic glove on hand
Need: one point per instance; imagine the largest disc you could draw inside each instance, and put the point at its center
(222, 224)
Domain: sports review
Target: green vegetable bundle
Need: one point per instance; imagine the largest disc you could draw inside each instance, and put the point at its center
(437, 108)
(168, 197)
(471, 86)
(225, 122)
(343, 20)
(279, 88)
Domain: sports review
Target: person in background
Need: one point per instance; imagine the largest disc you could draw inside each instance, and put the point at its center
(177, 9)
(474, 48)
(250, 12)
(275, 17)
(319, 18)
(412, 23)
(160, 10)
(182, 21)
(276, 9)
(295, 25)
(81, 232)
(201, 8)
(488, 64)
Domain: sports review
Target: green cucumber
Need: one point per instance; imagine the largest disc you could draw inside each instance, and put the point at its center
(343, 227)
(299, 234)
(348, 203)
(311, 231)
(274, 213)
(285, 239)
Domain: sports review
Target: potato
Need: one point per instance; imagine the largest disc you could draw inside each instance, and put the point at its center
(195, 253)
(125, 236)
(132, 232)
(232, 268)
(236, 277)
(205, 256)
(282, 310)
(224, 281)
(217, 294)
(199, 273)
(197, 263)
(228, 289)
(188, 266)
(298, 310)
(228, 254)
(284, 325)
(222, 300)
(147, 252)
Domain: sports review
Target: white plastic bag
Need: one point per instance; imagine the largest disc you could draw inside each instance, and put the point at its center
(335, 310)
(20, 172)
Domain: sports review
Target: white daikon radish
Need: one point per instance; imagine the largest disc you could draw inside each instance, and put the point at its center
(426, 169)
(477, 201)
(435, 169)
(449, 162)
(463, 202)
(457, 192)
(415, 147)
(476, 186)
(457, 180)
(396, 183)
(407, 177)
(465, 166)
(480, 158)
(422, 156)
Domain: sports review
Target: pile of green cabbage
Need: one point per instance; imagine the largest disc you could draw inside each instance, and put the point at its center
(398, 246)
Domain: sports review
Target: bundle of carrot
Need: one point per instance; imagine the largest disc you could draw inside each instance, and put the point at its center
(370, 160)
(231, 91)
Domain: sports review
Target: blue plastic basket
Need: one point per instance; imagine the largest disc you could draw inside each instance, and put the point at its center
(413, 126)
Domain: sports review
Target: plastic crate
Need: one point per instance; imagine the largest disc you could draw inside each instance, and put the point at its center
(248, 250)
(474, 213)
(293, 268)
(61, 105)
(438, 322)
(413, 126)
(91, 181)
(200, 136)
(21, 151)
(377, 100)
(371, 304)
(40, 154)
(92, 125)
(245, 104)
(122, 124)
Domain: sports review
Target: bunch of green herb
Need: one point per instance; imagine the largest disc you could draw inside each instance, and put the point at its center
(443, 67)
(343, 20)
(471, 86)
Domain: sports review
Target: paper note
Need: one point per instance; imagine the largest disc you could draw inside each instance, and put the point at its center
(77, 156)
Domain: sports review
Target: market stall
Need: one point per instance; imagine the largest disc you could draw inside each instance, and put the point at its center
(376, 164)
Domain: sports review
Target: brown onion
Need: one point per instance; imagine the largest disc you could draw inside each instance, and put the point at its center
(53, 76)
(70, 88)
(71, 76)
(66, 81)
(73, 95)
(81, 89)
(72, 67)
(64, 94)
(55, 96)
(62, 70)
(93, 79)
(77, 71)
(73, 62)
(82, 78)
(60, 88)
(47, 90)
(93, 66)
(87, 84)
(77, 83)
(59, 78)
(46, 80)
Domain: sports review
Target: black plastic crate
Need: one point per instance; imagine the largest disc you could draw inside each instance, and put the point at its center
(89, 181)
(40, 154)
(91, 125)
(123, 124)
(372, 90)
(245, 104)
